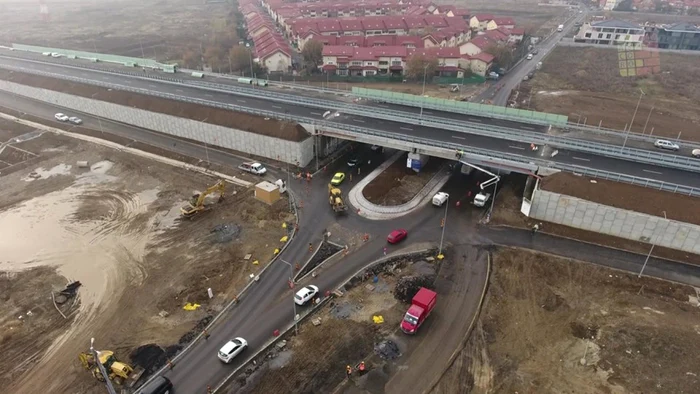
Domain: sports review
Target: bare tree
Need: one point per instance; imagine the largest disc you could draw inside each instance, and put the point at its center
(419, 64)
(312, 54)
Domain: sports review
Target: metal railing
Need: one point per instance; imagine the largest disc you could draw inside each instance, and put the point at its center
(524, 161)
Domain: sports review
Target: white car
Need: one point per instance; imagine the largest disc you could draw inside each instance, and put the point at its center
(440, 198)
(695, 153)
(75, 120)
(61, 117)
(666, 144)
(305, 294)
(232, 349)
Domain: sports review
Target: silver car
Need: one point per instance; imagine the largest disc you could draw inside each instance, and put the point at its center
(61, 117)
(75, 120)
(666, 144)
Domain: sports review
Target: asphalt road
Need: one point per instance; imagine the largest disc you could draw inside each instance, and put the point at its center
(268, 304)
(508, 147)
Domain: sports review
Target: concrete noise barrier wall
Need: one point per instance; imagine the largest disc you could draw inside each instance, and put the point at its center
(587, 215)
(259, 145)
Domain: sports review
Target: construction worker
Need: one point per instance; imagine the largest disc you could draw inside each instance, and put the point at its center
(348, 370)
(535, 228)
(311, 247)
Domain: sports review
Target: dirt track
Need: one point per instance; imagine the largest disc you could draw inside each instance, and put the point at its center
(236, 120)
(115, 228)
(543, 315)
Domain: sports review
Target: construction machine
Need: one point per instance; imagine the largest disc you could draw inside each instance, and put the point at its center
(196, 203)
(118, 372)
(335, 198)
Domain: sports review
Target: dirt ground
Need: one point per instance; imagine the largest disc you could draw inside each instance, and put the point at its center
(115, 227)
(507, 212)
(397, 184)
(577, 81)
(156, 29)
(254, 124)
(552, 325)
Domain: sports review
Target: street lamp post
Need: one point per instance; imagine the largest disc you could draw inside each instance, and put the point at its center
(650, 252)
(641, 93)
(294, 304)
(647, 122)
(444, 224)
(422, 100)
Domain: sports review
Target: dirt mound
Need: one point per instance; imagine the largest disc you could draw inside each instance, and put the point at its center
(408, 286)
(387, 350)
(151, 357)
(235, 120)
(223, 233)
(199, 327)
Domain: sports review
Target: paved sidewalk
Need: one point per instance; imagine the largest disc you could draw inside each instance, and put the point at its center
(378, 212)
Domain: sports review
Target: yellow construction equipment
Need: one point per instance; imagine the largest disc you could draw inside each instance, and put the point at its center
(335, 199)
(196, 203)
(118, 372)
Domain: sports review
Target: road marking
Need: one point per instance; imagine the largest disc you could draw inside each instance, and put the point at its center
(652, 172)
(105, 78)
(241, 101)
(516, 147)
(580, 158)
(179, 90)
(406, 128)
(152, 86)
(316, 113)
(358, 120)
(208, 95)
(276, 107)
(459, 138)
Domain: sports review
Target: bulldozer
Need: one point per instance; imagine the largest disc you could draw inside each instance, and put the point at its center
(196, 203)
(335, 199)
(118, 372)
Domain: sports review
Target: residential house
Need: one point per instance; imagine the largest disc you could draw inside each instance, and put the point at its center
(448, 60)
(275, 57)
(364, 61)
(611, 32)
(479, 64)
(682, 35)
(351, 27)
(497, 22)
(395, 25)
(476, 45)
(517, 34)
(479, 22)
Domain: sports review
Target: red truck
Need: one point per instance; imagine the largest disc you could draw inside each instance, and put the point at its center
(421, 306)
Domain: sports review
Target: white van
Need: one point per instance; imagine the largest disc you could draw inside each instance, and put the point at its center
(440, 198)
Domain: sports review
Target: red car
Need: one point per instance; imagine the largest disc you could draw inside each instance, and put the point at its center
(396, 236)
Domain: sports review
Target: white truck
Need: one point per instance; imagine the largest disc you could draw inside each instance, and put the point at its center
(253, 168)
(440, 198)
(481, 199)
(560, 28)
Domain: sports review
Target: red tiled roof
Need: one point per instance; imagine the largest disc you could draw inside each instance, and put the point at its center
(338, 50)
(330, 25)
(348, 24)
(373, 23)
(394, 23)
(481, 42)
(435, 21)
(483, 56)
(504, 21)
(414, 22)
(517, 31)
(358, 41)
(483, 17)
(496, 35)
(354, 53)
(451, 53)
(461, 12)
(325, 40)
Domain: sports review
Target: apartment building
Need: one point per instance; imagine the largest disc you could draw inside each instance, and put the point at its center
(611, 32)
(684, 36)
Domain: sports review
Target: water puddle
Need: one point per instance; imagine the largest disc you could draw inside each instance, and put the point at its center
(42, 173)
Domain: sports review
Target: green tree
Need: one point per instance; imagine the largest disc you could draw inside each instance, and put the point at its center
(312, 54)
(420, 65)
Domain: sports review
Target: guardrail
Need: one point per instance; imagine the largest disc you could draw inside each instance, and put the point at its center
(525, 161)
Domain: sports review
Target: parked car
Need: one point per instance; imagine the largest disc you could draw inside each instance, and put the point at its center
(666, 144)
(232, 349)
(397, 236)
(61, 117)
(354, 162)
(695, 153)
(338, 178)
(305, 294)
(75, 120)
(529, 56)
(440, 198)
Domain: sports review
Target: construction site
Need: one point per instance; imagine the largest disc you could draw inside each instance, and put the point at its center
(103, 243)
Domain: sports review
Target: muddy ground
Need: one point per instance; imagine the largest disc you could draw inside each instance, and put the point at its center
(552, 325)
(236, 120)
(115, 227)
(154, 29)
(577, 81)
(507, 212)
(397, 184)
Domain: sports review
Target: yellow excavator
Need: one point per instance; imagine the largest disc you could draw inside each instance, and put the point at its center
(118, 372)
(196, 203)
(335, 199)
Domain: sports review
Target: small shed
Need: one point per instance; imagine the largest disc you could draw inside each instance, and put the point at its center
(267, 192)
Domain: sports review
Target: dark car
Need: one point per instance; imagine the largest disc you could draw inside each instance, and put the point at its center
(159, 385)
(354, 162)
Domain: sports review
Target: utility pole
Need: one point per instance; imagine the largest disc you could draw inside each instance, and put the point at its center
(444, 224)
(637, 107)
(294, 304)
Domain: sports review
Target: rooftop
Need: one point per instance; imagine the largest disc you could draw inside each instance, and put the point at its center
(617, 24)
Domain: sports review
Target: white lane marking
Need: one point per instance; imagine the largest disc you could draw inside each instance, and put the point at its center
(580, 158)
(276, 107)
(358, 120)
(406, 128)
(458, 137)
(316, 113)
(241, 101)
(179, 90)
(652, 172)
(516, 147)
